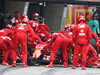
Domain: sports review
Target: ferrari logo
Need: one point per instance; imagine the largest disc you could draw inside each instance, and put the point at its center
(82, 31)
(21, 26)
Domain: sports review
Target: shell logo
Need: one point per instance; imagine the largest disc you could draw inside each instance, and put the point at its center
(78, 24)
(82, 31)
(5, 37)
(16, 20)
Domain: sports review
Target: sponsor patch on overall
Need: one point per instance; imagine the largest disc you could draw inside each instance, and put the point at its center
(16, 21)
(81, 34)
(1, 30)
(82, 26)
(21, 27)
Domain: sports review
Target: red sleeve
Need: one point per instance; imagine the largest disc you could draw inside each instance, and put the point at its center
(92, 50)
(34, 36)
(89, 34)
(36, 28)
(51, 41)
(95, 36)
(74, 34)
(30, 21)
(47, 34)
(9, 41)
(29, 38)
(38, 38)
(14, 29)
(98, 44)
(62, 31)
(12, 34)
(31, 32)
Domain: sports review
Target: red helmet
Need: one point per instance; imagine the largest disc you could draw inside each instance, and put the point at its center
(81, 18)
(25, 20)
(67, 26)
(24, 16)
(72, 27)
(35, 14)
(9, 26)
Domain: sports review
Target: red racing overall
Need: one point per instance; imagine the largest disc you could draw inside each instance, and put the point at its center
(81, 36)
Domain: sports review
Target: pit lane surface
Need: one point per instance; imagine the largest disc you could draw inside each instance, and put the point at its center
(41, 70)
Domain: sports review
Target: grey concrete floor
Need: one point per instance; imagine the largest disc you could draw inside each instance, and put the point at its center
(41, 70)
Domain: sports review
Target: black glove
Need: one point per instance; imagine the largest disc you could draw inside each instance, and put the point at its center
(93, 25)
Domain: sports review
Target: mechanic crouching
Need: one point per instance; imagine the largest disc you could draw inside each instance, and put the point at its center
(92, 57)
(5, 45)
(20, 37)
(59, 40)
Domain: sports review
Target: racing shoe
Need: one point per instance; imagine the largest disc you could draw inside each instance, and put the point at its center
(78, 65)
(50, 65)
(13, 64)
(25, 65)
(97, 64)
(5, 63)
(65, 65)
(45, 58)
(73, 67)
(83, 67)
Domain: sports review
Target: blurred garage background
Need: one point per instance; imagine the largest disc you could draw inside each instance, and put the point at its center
(54, 13)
